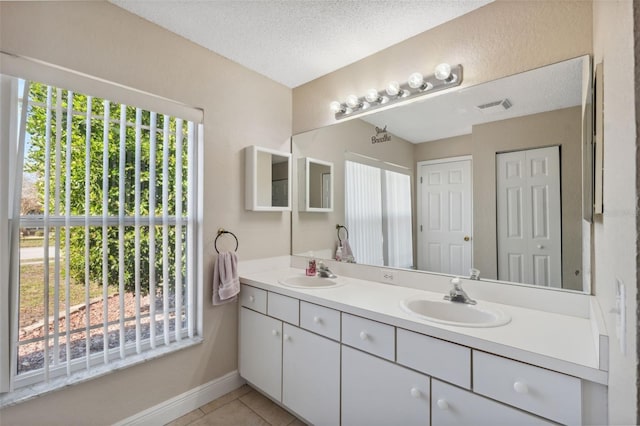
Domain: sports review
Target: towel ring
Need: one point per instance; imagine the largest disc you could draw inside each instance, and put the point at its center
(339, 227)
(223, 231)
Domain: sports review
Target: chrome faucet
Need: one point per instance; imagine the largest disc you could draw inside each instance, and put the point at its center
(457, 294)
(325, 272)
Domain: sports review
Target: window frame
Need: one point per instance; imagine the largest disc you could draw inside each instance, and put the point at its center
(13, 387)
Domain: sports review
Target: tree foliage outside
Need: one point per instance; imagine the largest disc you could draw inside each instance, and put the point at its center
(36, 164)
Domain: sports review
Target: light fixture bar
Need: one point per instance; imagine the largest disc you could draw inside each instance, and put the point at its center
(415, 86)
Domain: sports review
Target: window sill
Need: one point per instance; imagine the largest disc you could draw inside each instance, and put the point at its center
(29, 392)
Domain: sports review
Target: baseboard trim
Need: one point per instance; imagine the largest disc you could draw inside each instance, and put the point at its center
(188, 401)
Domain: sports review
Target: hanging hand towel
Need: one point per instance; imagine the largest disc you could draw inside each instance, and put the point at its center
(226, 284)
(347, 253)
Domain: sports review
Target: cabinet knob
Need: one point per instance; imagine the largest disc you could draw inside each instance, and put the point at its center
(540, 246)
(520, 387)
(286, 337)
(252, 299)
(274, 332)
(415, 392)
(364, 335)
(317, 319)
(443, 404)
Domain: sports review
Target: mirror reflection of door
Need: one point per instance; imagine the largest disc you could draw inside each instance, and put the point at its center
(529, 216)
(445, 213)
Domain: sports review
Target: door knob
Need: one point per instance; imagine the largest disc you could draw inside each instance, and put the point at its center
(467, 238)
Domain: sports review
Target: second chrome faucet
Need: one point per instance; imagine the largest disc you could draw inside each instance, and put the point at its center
(457, 294)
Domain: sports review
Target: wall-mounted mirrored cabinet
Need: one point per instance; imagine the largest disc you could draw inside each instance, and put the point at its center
(315, 186)
(268, 179)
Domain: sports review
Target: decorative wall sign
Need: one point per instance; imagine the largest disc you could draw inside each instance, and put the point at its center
(381, 135)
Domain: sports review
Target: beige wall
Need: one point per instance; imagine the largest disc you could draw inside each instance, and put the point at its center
(317, 231)
(560, 127)
(502, 38)
(615, 236)
(103, 40)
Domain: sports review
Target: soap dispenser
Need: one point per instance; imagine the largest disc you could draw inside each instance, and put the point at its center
(339, 254)
(311, 268)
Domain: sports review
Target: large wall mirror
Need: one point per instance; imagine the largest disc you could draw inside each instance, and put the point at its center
(488, 177)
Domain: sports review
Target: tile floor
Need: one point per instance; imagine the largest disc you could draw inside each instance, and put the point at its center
(243, 407)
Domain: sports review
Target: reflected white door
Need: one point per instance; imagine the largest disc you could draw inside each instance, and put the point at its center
(445, 214)
(529, 218)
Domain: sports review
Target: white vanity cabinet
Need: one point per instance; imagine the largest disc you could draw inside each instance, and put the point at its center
(291, 365)
(379, 392)
(260, 354)
(547, 393)
(454, 406)
(311, 376)
(332, 367)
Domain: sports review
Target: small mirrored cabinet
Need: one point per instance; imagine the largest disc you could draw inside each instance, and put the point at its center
(315, 186)
(268, 179)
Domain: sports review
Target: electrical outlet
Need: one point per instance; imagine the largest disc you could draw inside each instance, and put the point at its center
(388, 276)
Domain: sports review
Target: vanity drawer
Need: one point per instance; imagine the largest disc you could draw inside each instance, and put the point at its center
(321, 320)
(253, 298)
(454, 406)
(283, 307)
(369, 336)
(447, 361)
(549, 394)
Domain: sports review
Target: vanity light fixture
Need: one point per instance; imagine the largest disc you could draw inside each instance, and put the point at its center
(444, 77)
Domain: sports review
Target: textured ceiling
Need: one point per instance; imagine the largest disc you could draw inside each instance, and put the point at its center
(296, 41)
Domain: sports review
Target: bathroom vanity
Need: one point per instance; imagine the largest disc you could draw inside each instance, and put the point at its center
(350, 354)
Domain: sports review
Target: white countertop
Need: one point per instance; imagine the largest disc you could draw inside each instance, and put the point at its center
(558, 342)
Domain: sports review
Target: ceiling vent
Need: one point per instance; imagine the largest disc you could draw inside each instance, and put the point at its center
(495, 106)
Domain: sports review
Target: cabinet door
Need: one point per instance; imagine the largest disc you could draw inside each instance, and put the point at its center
(261, 352)
(455, 406)
(311, 376)
(378, 392)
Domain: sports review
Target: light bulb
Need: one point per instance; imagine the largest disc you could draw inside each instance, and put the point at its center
(415, 80)
(353, 101)
(443, 71)
(336, 107)
(393, 88)
(372, 96)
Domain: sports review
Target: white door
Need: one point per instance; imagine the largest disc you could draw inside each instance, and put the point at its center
(445, 213)
(311, 376)
(260, 360)
(528, 216)
(378, 392)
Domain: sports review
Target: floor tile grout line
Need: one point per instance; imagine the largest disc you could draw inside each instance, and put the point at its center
(254, 411)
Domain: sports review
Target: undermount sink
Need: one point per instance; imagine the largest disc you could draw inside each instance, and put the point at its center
(304, 281)
(454, 313)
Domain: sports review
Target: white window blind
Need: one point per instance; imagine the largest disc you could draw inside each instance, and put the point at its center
(363, 212)
(378, 215)
(397, 212)
(116, 234)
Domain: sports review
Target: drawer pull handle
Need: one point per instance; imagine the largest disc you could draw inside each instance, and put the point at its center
(252, 299)
(317, 319)
(287, 337)
(520, 387)
(443, 404)
(274, 332)
(364, 335)
(415, 392)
